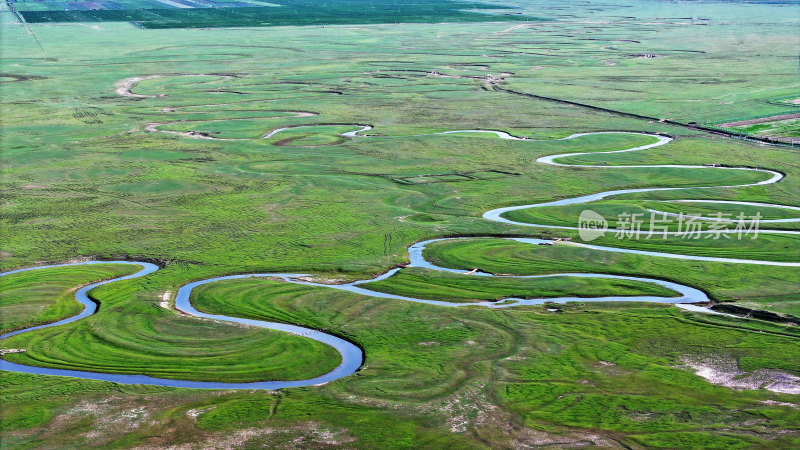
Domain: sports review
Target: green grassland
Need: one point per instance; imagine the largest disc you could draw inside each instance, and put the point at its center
(435, 285)
(143, 337)
(689, 39)
(769, 287)
(647, 211)
(83, 177)
(615, 370)
(767, 247)
(777, 128)
(37, 297)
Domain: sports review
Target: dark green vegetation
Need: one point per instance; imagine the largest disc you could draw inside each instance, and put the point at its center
(37, 297)
(82, 176)
(435, 285)
(282, 13)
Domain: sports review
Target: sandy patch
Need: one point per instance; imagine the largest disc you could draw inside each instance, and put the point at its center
(193, 413)
(6, 351)
(726, 372)
(123, 87)
(164, 303)
(321, 280)
(471, 411)
(110, 416)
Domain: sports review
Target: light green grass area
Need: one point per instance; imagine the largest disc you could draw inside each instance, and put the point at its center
(43, 296)
(624, 363)
(766, 247)
(624, 360)
(436, 285)
(84, 175)
(134, 333)
(621, 214)
(690, 77)
(774, 288)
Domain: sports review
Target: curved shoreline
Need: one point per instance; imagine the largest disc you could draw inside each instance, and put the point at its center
(352, 356)
(124, 87)
(731, 202)
(81, 295)
(153, 127)
(688, 294)
(496, 214)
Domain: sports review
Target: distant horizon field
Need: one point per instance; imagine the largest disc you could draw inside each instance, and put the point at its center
(155, 14)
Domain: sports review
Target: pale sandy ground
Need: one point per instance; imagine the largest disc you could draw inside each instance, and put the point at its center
(726, 372)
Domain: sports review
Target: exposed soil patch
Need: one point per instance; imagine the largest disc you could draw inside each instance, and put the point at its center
(726, 372)
(6, 351)
(472, 411)
(123, 87)
(515, 27)
(773, 402)
(164, 303)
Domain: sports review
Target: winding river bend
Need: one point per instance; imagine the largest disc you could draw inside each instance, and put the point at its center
(352, 356)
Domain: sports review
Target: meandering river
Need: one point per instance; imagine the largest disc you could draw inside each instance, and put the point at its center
(352, 356)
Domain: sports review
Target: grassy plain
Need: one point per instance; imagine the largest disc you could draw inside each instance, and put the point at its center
(436, 285)
(38, 297)
(620, 210)
(145, 338)
(717, 51)
(767, 287)
(83, 177)
(447, 377)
